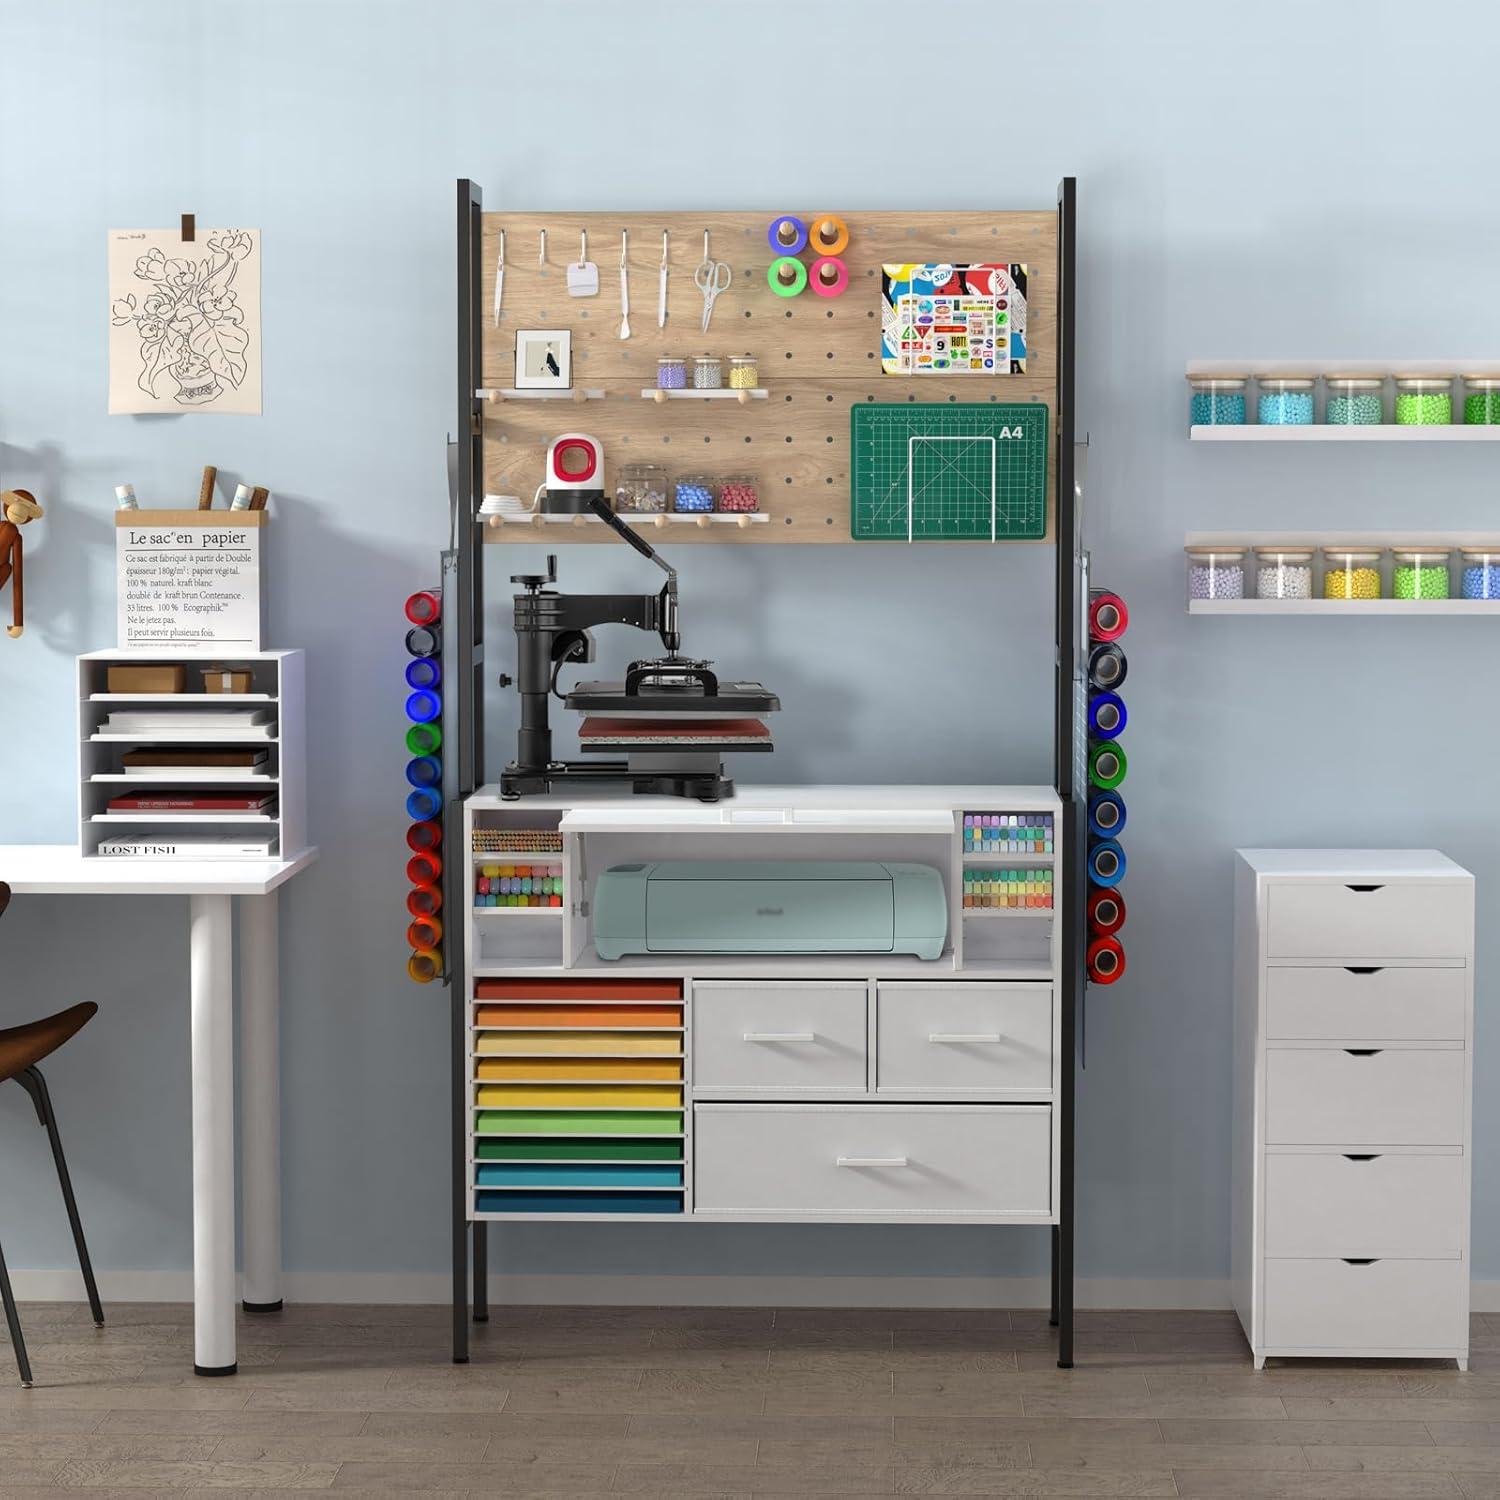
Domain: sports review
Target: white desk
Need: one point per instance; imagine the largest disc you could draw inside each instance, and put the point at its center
(58, 869)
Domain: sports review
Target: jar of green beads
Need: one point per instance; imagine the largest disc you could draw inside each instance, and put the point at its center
(1218, 400)
(1354, 401)
(1419, 573)
(1424, 400)
(1351, 573)
(1481, 400)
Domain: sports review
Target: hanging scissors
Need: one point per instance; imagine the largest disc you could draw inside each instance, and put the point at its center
(711, 278)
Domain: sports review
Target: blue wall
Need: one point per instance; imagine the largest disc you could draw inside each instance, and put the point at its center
(1315, 186)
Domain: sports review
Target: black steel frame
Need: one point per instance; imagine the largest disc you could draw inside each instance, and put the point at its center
(463, 744)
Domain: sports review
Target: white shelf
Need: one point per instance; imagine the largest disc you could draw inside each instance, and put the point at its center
(171, 817)
(780, 966)
(165, 773)
(510, 393)
(1321, 433)
(184, 737)
(1343, 608)
(1012, 859)
(1371, 368)
(207, 700)
(657, 518)
(754, 393)
(1006, 911)
(518, 911)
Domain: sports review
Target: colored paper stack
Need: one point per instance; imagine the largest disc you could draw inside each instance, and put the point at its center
(424, 777)
(1108, 620)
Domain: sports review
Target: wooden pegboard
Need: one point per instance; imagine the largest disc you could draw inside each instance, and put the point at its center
(817, 356)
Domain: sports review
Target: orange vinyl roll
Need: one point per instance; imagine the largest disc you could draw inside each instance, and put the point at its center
(425, 868)
(422, 838)
(578, 989)
(819, 240)
(424, 965)
(424, 900)
(555, 1017)
(425, 932)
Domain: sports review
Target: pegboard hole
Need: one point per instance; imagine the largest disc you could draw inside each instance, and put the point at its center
(829, 354)
(788, 437)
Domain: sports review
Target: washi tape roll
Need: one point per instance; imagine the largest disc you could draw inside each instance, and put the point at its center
(1106, 960)
(1107, 716)
(424, 965)
(1106, 814)
(420, 837)
(423, 640)
(424, 770)
(787, 235)
(423, 707)
(425, 868)
(829, 235)
(425, 607)
(1108, 617)
(425, 932)
(424, 900)
(1106, 912)
(828, 276)
(1107, 666)
(1106, 863)
(424, 804)
(783, 267)
(1107, 765)
(424, 672)
(424, 739)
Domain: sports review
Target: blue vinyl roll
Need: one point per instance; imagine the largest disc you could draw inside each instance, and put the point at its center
(423, 707)
(797, 230)
(425, 770)
(424, 672)
(1107, 715)
(1106, 863)
(1106, 814)
(424, 803)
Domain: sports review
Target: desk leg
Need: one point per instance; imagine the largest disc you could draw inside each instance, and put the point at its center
(260, 1105)
(211, 946)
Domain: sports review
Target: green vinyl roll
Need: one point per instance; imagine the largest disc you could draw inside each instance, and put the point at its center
(424, 739)
(510, 1148)
(577, 1122)
(1107, 764)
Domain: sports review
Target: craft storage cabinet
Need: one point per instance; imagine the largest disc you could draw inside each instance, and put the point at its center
(1353, 1068)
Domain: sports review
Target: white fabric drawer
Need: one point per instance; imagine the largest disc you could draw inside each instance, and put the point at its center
(1388, 1205)
(1368, 922)
(963, 1038)
(779, 1038)
(1328, 1306)
(1327, 1096)
(1366, 1004)
(872, 1160)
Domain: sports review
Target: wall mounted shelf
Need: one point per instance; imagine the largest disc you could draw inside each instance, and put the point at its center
(495, 394)
(1344, 607)
(662, 518)
(655, 393)
(1321, 433)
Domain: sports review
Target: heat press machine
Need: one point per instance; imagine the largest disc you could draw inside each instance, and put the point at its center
(575, 476)
(671, 719)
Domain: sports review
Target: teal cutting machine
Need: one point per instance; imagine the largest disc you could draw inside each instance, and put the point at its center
(769, 906)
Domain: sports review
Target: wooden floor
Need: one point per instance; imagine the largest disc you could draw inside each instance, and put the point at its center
(678, 1402)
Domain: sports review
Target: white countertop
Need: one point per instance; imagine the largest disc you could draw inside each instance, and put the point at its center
(1356, 864)
(52, 869)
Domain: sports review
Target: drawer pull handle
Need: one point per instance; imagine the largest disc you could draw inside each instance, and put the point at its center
(958, 1038)
(1364, 890)
(1364, 1051)
(1352, 1261)
(1368, 1156)
(781, 1036)
(1365, 968)
(871, 1161)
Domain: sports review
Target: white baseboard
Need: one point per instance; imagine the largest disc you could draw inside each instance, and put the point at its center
(378, 1287)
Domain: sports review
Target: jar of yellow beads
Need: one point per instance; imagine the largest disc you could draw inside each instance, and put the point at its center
(1351, 573)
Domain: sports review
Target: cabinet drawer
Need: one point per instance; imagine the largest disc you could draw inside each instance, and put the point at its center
(1331, 920)
(1318, 1305)
(1367, 1004)
(872, 1160)
(779, 1038)
(1389, 1205)
(1391, 1097)
(963, 1038)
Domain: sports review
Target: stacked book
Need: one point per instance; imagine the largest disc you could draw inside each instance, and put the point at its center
(190, 846)
(197, 723)
(208, 803)
(161, 762)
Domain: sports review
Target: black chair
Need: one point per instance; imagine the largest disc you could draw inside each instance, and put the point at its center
(21, 1049)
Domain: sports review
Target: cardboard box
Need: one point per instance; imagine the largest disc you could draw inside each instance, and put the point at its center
(226, 679)
(157, 677)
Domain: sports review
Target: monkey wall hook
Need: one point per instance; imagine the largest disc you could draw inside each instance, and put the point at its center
(17, 507)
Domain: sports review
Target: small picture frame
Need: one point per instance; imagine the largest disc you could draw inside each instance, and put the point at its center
(544, 359)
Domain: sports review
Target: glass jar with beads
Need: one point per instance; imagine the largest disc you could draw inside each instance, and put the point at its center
(1481, 400)
(1481, 573)
(693, 494)
(1354, 401)
(1285, 401)
(708, 372)
(1424, 400)
(671, 373)
(1283, 573)
(1216, 572)
(1351, 573)
(641, 489)
(1419, 573)
(744, 372)
(1217, 400)
(739, 494)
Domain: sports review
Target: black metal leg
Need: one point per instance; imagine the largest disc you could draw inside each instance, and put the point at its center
(481, 1272)
(1056, 1237)
(32, 1081)
(1065, 1291)
(13, 1319)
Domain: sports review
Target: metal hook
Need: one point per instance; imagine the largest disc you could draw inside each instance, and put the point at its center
(624, 241)
(583, 247)
(541, 256)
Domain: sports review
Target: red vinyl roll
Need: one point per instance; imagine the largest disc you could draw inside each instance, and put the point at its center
(1106, 911)
(1106, 959)
(425, 932)
(425, 607)
(1108, 617)
(423, 837)
(424, 900)
(424, 869)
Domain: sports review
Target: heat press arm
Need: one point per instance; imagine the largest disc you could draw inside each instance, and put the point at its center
(667, 627)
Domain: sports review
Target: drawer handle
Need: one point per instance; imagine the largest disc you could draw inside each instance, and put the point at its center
(1367, 1156)
(1351, 1261)
(1365, 968)
(1364, 1051)
(958, 1038)
(1364, 890)
(781, 1036)
(871, 1161)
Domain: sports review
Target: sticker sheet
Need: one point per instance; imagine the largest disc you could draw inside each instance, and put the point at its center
(953, 320)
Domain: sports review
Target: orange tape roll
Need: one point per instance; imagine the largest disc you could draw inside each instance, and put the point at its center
(424, 965)
(829, 235)
(425, 932)
(425, 868)
(424, 900)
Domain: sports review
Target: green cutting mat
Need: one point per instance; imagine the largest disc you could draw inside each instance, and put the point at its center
(950, 471)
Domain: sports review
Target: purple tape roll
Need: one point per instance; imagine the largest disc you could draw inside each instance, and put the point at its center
(791, 223)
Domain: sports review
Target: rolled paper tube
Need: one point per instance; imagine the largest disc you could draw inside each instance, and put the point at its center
(421, 837)
(425, 607)
(423, 640)
(425, 868)
(424, 672)
(1107, 665)
(1106, 863)
(1107, 716)
(1108, 617)
(425, 932)
(1107, 765)
(424, 965)
(786, 276)
(828, 276)
(1106, 960)
(1106, 814)
(424, 900)
(423, 707)
(787, 235)
(425, 770)
(829, 235)
(1106, 911)
(423, 804)
(424, 739)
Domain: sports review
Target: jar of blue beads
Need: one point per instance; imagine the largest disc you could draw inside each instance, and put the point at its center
(693, 494)
(1285, 401)
(1481, 575)
(1217, 401)
(1354, 401)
